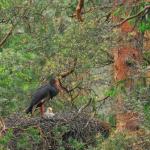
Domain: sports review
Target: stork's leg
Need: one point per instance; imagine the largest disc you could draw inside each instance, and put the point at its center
(42, 110)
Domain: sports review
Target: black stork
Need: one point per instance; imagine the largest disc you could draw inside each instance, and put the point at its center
(47, 92)
(43, 94)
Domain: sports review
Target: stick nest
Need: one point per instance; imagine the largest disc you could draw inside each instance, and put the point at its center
(55, 132)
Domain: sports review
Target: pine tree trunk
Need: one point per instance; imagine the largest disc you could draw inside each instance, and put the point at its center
(127, 55)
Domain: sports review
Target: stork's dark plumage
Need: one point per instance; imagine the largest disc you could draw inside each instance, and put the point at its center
(49, 91)
(43, 94)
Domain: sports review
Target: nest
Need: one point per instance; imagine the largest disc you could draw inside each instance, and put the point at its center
(83, 128)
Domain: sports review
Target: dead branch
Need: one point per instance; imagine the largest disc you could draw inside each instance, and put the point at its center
(134, 16)
(6, 36)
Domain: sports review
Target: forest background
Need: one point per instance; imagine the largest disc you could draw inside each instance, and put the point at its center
(111, 41)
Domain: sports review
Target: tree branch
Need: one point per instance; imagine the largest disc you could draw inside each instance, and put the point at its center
(79, 8)
(65, 74)
(134, 16)
(91, 10)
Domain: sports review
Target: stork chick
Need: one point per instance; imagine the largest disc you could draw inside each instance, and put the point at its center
(49, 113)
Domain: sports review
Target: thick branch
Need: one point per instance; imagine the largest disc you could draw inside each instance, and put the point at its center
(134, 16)
(79, 8)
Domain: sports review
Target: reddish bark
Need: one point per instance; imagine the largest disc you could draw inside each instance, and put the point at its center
(121, 56)
(129, 120)
(126, 27)
(122, 71)
(79, 9)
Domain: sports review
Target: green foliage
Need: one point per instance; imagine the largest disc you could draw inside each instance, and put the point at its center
(76, 145)
(23, 142)
(112, 92)
(5, 139)
(16, 75)
(144, 26)
(116, 89)
(119, 11)
(112, 120)
(58, 132)
(123, 141)
(28, 139)
(44, 41)
(146, 56)
(118, 142)
(147, 114)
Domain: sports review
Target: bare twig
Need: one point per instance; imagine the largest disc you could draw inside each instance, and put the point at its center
(65, 74)
(76, 87)
(6, 36)
(103, 99)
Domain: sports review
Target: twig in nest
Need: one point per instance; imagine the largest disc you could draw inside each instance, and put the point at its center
(92, 116)
(81, 109)
(77, 114)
